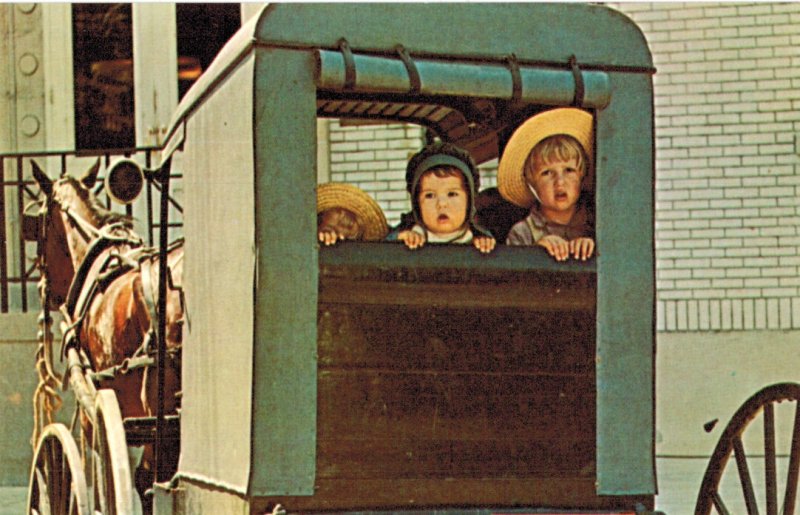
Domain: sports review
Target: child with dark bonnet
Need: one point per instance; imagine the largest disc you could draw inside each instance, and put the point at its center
(442, 180)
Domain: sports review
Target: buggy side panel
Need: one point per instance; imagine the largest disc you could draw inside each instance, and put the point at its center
(253, 423)
(285, 387)
(218, 348)
(625, 289)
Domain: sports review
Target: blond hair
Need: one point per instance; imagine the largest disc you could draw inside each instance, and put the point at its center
(347, 220)
(559, 147)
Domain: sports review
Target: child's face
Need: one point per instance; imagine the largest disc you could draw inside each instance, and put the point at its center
(558, 185)
(341, 221)
(443, 203)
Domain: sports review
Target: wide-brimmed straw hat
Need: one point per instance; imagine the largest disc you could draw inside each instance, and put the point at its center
(510, 171)
(368, 213)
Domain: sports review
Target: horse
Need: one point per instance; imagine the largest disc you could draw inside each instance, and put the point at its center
(101, 278)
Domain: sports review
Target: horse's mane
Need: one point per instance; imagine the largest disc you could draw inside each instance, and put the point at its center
(101, 215)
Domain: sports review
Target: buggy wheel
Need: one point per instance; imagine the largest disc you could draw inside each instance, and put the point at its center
(770, 412)
(57, 483)
(113, 483)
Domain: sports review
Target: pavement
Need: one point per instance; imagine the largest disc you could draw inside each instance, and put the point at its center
(13, 500)
(678, 479)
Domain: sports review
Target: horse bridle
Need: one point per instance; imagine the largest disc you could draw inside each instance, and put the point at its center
(37, 224)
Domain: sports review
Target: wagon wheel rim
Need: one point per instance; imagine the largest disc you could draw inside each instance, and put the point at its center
(57, 483)
(730, 445)
(113, 484)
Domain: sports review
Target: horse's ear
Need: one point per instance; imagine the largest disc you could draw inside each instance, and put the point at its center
(44, 181)
(88, 179)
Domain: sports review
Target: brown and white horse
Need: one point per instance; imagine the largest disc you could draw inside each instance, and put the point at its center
(104, 281)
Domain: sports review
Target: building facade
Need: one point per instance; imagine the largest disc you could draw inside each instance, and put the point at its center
(727, 107)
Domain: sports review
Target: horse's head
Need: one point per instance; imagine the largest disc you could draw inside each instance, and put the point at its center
(69, 216)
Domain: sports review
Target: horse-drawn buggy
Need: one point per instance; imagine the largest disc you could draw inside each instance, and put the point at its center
(362, 377)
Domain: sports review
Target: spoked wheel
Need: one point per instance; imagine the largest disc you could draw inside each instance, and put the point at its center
(57, 484)
(113, 483)
(763, 435)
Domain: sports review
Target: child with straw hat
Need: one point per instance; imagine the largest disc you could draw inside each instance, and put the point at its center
(345, 212)
(543, 167)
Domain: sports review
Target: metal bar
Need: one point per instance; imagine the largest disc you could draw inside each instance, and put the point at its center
(21, 239)
(3, 245)
(469, 58)
(770, 473)
(162, 318)
(390, 75)
(106, 166)
(719, 505)
(744, 477)
(794, 466)
(150, 222)
(78, 153)
(172, 201)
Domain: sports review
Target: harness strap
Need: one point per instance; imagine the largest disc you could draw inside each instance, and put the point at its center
(349, 64)
(150, 293)
(88, 230)
(105, 239)
(411, 68)
(516, 78)
(580, 89)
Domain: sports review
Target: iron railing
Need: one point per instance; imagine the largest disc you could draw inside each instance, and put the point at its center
(18, 272)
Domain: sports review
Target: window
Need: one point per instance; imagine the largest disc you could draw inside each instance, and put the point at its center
(203, 29)
(103, 64)
(103, 71)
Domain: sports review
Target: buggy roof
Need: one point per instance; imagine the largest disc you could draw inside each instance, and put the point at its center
(598, 37)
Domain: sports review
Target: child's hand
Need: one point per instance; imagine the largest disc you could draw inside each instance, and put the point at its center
(556, 246)
(327, 236)
(581, 248)
(484, 243)
(413, 240)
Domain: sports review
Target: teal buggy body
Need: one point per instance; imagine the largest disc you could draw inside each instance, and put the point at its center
(366, 378)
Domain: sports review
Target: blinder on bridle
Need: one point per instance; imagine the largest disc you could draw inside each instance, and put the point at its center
(32, 225)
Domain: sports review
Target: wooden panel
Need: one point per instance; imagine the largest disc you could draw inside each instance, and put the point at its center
(554, 493)
(455, 387)
(453, 459)
(473, 295)
(464, 406)
(457, 287)
(446, 339)
(421, 394)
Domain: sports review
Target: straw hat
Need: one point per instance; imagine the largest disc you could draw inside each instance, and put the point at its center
(510, 172)
(369, 214)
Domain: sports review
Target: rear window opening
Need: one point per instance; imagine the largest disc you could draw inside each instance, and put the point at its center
(371, 153)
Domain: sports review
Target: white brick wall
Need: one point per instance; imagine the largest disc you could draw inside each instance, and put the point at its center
(727, 105)
(727, 119)
(375, 160)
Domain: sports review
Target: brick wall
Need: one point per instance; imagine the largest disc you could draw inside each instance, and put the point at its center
(375, 160)
(727, 120)
(727, 96)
